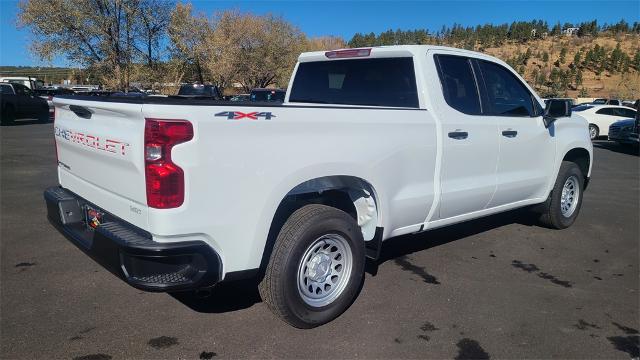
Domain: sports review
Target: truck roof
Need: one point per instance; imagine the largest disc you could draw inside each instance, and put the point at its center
(395, 51)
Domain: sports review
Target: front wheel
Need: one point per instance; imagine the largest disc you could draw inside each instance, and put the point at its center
(316, 267)
(563, 205)
(594, 132)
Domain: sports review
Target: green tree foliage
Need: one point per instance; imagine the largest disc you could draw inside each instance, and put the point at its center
(636, 60)
(577, 58)
(583, 93)
(563, 55)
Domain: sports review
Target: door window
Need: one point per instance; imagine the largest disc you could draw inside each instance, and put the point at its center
(458, 83)
(507, 96)
(623, 112)
(605, 111)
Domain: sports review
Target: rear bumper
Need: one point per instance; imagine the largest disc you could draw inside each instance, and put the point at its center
(130, 252)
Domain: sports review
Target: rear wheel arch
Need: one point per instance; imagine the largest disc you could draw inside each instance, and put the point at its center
(353, 195)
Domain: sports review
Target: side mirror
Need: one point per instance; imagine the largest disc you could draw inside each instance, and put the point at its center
(555, 109)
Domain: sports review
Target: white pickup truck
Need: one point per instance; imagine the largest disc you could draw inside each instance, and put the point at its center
(181, 194)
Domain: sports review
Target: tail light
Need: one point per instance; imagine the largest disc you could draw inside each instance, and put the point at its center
(164, 179)
(55, 142)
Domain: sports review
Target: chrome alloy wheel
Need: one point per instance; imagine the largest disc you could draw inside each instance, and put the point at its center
(324, 270)
(569, 197)
(593, 132)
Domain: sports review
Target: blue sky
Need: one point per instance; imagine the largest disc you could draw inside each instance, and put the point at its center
(344, 18)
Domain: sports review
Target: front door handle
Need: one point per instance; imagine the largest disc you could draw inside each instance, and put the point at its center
(459, 135)
(510, 133)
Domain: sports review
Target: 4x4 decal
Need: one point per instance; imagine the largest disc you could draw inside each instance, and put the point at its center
(237, 115)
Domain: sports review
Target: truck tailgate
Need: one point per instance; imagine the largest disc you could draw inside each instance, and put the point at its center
(100, 144)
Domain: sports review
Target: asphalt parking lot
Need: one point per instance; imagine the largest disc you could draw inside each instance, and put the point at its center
(498, 287)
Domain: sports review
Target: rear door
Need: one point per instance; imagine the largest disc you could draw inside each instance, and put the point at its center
(100, 149)
(470, 139)
(527, 147)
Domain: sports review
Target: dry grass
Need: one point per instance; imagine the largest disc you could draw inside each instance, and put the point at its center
(618, 85)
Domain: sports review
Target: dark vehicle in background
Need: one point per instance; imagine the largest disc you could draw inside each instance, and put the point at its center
(48, 94)
(18, 101)
(570, 101)
(200, 91)
(624, 132)
(274, 95)
(627, 132)
(130, 94)
(240, 97)
(95, 93)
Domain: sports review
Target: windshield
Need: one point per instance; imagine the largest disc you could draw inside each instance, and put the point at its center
(600, 101)
(195, 89)
(581, 108)
(267, 95)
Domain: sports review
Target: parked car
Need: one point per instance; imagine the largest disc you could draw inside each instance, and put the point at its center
(624, 132)
(627, 132)
(569, 101)
(240, 97)
(18, 101)
(28, 81)
(603, 101)
(371, 144)
(130, 94)
(200, 91)
(49, 93)
(600, 117)
(269, 95)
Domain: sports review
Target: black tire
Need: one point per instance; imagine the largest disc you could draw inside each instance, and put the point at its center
(594, 131)
(43, 117)
(279, 288)
(552, 215)
(8, 115)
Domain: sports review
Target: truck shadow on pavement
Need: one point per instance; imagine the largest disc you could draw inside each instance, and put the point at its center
(407, 244)
(224, 297)
(239, 295)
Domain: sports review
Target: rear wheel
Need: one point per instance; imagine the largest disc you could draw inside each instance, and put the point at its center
(316, 267)
(563, 205)
(594, 131)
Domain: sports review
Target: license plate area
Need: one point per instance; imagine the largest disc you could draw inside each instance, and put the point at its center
(93, 217)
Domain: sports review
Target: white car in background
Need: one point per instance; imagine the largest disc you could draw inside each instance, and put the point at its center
(600, 117)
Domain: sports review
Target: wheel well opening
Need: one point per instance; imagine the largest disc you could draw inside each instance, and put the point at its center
(579, 156)
(330, 191)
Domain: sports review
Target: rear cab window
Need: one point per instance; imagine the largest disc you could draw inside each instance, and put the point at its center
(385, 82)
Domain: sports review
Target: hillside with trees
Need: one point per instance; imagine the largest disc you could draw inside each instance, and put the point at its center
(593, 61)
(161, 44)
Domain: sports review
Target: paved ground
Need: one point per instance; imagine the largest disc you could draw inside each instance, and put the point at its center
(498, 287)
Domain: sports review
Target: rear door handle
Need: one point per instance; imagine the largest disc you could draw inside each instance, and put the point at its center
(510, 133)
(459, 135)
